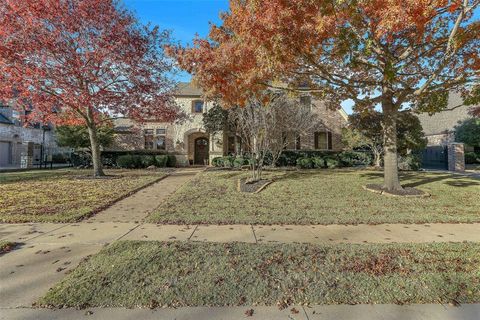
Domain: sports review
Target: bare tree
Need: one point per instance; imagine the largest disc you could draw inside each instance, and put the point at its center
(263, 126)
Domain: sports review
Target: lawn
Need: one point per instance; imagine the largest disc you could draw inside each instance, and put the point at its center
(321, 197)
(64, 195)
(176, 274)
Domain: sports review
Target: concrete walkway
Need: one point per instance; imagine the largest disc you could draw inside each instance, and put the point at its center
(333, 312)
(92, 232)
(136, 207)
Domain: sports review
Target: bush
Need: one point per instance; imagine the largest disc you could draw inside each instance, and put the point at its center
(332, 163)
(318, 162)
(472, 158)
(228, 161)
(217, 162)
(126, 161)
(171, 161)
(410, 162)
(80, 159)
(59, 158)
(146, 161)
(240, 161)
(354, 158)
(161, 161)
(305, 163)
(289, 157)
(109, 158)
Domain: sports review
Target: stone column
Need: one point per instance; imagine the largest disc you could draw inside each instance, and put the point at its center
(26, 158)
(456, 157)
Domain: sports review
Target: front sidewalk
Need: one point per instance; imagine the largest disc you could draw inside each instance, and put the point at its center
(337, 312)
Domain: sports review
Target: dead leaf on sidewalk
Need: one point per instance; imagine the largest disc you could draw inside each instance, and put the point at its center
(249, 312)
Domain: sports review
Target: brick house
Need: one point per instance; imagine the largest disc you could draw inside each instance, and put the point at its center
(439, 128)
(17, 139)
(193, 145)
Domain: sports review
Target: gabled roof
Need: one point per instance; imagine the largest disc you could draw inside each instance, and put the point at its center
(445, 121)
(187, 89)
(5, 120)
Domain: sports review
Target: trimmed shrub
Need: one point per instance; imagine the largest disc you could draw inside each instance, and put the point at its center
(354, 158)
(332, 163)
(217, 162)
(126, 161)
(228, 161)
(305, 163)
(472, 157)
(410, 162)
(161, 161)
(171, 161)
(240, 161)
(318, 162)
(289, 157)
(147, 161)
(59, 158)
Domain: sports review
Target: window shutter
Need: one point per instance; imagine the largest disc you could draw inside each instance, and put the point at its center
(329, 138)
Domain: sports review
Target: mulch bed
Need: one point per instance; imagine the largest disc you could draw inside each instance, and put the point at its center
(406, 192)
(253, 187)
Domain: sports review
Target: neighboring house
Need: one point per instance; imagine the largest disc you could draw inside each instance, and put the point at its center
(439, 128)
(16, 139)
(193, 145)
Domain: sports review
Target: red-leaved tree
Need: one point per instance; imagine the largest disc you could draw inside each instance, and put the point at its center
(81, 62)
(379, 53)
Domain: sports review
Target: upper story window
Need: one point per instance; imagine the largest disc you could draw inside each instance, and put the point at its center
(197, 106)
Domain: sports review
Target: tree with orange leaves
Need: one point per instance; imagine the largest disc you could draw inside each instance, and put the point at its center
(385, 54)
(82, 62)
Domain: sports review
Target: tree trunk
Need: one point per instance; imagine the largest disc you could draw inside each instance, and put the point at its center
(96, 155)
(377, 159)
(392, 182)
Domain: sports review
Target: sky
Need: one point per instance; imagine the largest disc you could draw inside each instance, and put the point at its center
(186, 18)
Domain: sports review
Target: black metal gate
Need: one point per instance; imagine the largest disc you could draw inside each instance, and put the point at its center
(435, 157)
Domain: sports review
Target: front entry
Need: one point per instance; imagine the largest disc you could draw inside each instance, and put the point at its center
(201, 151)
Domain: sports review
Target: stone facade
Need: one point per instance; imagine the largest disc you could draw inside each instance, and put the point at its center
(14, 141)
(180, 137)
(456, 157)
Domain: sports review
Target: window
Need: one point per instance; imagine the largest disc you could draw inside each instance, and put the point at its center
(305, 101)
(197, 106)
(161, 131)
(323, 140)
(148, 134)
(291, 141)
(161, 143)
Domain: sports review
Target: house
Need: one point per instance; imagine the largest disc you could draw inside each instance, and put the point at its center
(18, 139)
(192, 145)
(439, 128)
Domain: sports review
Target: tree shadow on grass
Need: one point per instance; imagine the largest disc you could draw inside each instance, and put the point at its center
(419, 178)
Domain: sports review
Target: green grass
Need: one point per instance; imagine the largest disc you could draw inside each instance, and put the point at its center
(321, 197)
(155, 274)
(64, 195)
(6, 246)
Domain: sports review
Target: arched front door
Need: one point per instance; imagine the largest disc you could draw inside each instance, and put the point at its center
(201, 151)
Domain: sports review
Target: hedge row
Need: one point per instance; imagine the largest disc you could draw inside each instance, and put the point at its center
(303, 159)
(472, 157)
(135, 161)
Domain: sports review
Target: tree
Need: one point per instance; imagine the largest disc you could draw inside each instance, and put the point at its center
(216, 119)
(77, 61)
(263, 125)
(378, 53)
(468, 132)
(365, 130)
(77, 137)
